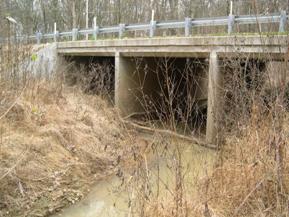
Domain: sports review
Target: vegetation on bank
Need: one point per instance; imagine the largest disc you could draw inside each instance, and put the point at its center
(58, 138)
(56, 142)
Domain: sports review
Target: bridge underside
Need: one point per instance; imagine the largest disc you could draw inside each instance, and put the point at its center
(177, 79)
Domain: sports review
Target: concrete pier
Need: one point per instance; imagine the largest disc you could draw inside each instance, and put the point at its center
(125, 85)
(135, 84)
(214, 112)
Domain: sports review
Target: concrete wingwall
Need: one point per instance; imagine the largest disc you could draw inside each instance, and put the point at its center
(44, 60)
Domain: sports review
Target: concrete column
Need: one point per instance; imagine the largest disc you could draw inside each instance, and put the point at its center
(213, 136)
(136, 84)
(125, 85)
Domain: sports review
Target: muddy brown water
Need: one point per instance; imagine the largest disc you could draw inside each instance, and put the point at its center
(108, 199)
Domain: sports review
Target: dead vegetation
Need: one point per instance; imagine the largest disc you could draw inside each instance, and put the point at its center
(250, 177)
(55, 142)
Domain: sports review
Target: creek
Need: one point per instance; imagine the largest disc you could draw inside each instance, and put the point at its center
(109, 198)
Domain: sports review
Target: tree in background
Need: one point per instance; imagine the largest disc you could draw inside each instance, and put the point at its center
(40, 15)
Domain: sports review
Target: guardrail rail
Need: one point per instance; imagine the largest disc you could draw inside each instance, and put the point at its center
(188, 24)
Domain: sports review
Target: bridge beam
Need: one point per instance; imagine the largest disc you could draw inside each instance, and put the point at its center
(213, 134)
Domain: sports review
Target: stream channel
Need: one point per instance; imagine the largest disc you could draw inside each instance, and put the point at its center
(108, 199)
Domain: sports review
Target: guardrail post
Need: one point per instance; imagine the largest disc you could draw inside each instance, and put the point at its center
(188, 26)
(56, 36)
(95, 32)
(56, 33)
(121, 30)
(283, 21)
(231, 22)
(95, 29)
(153, 27)
(74, 34)
(38, 37)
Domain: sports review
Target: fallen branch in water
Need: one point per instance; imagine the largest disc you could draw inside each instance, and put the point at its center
(170, 133)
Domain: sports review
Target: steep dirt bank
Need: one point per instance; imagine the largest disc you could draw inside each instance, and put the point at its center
(53, 146)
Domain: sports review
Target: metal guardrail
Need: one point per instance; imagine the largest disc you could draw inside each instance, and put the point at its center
(188, 24)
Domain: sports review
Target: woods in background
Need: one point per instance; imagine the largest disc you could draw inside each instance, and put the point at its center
(40, 15)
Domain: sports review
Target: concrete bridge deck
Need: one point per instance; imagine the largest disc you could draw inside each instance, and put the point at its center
(211, 48)
(200, 46)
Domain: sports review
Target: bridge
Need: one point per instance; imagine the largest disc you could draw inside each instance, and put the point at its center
(214, 50)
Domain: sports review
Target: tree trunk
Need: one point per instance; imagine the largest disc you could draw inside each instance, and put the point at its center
(74, 22)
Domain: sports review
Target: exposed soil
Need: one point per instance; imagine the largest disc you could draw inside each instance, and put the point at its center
(54, 145)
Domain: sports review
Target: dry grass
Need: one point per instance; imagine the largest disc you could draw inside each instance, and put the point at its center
(55, 141)
(252, 179)
(53, 146)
